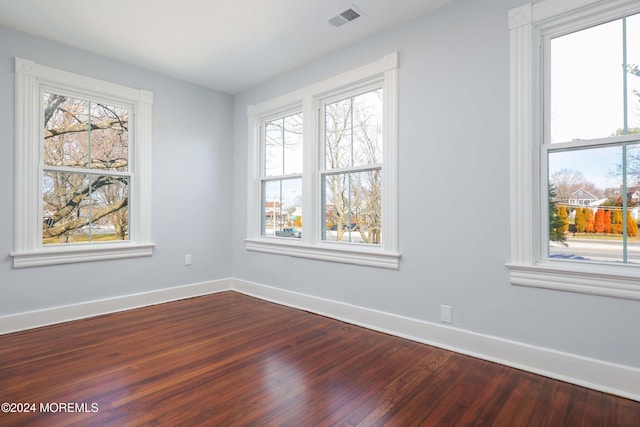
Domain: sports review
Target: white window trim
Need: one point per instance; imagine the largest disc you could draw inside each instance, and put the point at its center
(529, 266)
(28, 248)
(307, 100)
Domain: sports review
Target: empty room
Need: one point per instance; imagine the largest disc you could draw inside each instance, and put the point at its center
(320, 213)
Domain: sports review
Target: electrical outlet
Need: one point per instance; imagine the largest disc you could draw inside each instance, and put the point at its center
(445, 313)
(187, 259)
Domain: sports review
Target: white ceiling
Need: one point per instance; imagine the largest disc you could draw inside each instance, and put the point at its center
(227, 45)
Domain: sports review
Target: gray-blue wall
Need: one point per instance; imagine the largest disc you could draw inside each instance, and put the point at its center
(192, 148)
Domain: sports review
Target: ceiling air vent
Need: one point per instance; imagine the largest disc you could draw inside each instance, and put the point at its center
(344, 17)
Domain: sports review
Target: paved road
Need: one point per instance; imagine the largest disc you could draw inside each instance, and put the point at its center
(597, 250)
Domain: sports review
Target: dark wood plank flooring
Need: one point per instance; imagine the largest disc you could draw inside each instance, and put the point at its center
(231, 360)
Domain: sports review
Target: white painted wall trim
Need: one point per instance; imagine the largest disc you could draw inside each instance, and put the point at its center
(49, 316)
(595, 374)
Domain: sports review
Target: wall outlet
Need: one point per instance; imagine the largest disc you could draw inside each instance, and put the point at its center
(445, 313)
(187, 259)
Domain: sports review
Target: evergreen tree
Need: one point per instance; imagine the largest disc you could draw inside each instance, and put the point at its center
(556, 222)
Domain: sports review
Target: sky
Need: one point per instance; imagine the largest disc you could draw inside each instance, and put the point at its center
(587, 81)
(587, 100)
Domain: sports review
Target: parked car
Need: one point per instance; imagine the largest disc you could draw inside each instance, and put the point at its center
(334, 227)
(289, 232)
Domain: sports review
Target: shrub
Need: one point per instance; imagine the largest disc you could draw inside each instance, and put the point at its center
(563, 218)
(616, 221)
(632, 226)
(581, 220)
(590, 226)
(599, 221)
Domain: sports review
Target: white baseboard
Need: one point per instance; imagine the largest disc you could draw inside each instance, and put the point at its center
(592, 373)
(595, 374)
(35, 319)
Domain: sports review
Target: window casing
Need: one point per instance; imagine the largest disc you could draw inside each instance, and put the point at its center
(292, 209)
(82, 194)
(542, 153)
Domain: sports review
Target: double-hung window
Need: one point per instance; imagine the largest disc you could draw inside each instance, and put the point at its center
(82, 186)
(351, 175)
(323, 170)
(281, 187)
(575, 141)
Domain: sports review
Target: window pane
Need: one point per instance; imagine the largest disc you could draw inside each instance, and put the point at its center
(633, 202)
(352, 207)
(353, 131)
(633, 75)
(66, 131)
(84, 135)
(84, 208)
(587, 93)
(338, 134)
(283, 146)
(585, 204)
(109, 137)
(282, 208)
(109, 209)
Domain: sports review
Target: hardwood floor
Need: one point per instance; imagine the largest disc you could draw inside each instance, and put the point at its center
(231, 360)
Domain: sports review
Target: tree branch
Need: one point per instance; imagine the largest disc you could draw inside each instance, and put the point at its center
(82, 127)
(53, 105)
(78, 197)
(81, 222)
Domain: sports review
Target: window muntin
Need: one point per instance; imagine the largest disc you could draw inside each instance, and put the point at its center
(593, 176)
(85, 186)
(282, 177)
(351, 180)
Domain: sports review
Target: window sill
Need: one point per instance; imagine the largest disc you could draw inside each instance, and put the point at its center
(594, 279)
(80, 253)
(336, 252)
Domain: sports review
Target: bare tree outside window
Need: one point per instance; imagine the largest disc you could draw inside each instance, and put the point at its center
(282, 182)
(353, 165)
(86, 171)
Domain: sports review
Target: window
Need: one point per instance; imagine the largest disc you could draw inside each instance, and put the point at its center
(575, 141)
(85, 187)
(351, 177)
(593, 147)
(82, 168)
(323, 170)
(282, 177)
